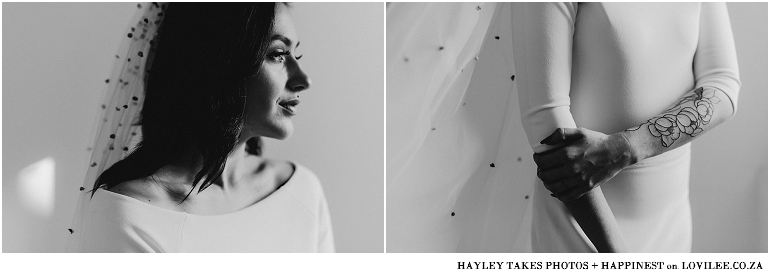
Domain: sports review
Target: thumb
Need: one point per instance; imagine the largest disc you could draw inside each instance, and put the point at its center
(561, 135)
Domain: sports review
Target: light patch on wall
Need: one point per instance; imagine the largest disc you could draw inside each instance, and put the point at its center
(37, 188)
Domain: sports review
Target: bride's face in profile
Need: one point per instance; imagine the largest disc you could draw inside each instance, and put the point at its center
(272, 96)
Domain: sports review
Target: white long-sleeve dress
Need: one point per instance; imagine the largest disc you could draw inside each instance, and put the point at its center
(294, 218)
(609, 67)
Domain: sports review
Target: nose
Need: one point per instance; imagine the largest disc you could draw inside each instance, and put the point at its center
(298, 79)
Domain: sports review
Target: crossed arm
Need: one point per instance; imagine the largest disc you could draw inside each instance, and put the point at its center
(591, 158)
(574, 172)
(573, 161)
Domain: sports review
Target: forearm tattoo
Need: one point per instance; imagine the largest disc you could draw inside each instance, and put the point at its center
(688, 116)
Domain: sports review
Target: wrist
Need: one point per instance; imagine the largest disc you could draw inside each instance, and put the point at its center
(630, 152)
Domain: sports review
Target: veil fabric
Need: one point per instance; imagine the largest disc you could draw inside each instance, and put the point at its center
(117, 128)
(459, 170)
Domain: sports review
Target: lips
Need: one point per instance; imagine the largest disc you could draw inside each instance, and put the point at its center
(289, 105)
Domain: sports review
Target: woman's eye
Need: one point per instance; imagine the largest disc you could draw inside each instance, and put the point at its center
(298, 57)
(278, 56)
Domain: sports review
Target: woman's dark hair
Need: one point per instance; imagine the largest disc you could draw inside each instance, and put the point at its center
(195, 89)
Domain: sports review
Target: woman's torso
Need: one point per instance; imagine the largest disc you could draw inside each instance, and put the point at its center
(631, 61)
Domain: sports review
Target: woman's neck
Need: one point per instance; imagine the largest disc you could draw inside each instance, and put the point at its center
(176, 179)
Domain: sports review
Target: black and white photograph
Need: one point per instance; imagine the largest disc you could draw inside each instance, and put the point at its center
(193, 127)
(576, 127)
(436, 139)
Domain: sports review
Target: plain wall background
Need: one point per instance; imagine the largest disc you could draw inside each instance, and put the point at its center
(728, 180)
(57, 55)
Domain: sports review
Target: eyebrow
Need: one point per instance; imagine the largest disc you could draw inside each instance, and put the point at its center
(285, 40)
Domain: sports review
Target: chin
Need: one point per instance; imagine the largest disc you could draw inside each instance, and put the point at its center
(283, 136)
(281, 132)
(278, 129)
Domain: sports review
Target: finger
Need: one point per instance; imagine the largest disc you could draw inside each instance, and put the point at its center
(577, 187)
(571, 194)
(562, 135)
(555, 136)
(551, 159)
(558, 187)
(555, 187)
(570, 135)
(558, 173)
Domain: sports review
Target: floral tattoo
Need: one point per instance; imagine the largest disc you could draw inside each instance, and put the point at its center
(680, 120)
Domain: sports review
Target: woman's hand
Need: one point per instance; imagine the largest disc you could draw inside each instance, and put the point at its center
(587, 159)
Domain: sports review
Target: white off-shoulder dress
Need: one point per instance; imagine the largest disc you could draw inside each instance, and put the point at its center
(609, 67)
(294, 218)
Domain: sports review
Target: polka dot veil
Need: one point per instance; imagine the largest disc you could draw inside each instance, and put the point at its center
(118, 132)
(460, 175)
(117, 129)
